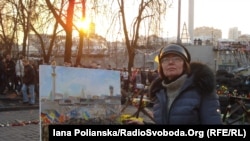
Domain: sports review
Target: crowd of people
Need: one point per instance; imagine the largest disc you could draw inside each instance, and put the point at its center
(19, 76)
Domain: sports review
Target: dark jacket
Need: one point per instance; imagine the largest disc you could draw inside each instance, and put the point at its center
(29, 75)
(10, 68)
(197, 102)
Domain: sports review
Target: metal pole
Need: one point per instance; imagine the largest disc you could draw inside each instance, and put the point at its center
(179, 17)
(212, 38)
(144, 60)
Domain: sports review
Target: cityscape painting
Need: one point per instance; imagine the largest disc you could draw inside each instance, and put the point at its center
(70, 93)
(63, 82)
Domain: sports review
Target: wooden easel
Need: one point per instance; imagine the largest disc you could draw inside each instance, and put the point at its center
(141, 107)
(240, 104)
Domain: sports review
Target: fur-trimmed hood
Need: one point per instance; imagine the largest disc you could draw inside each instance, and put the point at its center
(201, 76)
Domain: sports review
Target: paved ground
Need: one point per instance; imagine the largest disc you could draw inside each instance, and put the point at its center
(18, 122)
(21, 125)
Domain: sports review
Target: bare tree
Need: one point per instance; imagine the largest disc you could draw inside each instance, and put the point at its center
(8, 24)
(45, 21)
(25, 11)
(148, 10)
(67, 26)
(81, 36)
(146, 16)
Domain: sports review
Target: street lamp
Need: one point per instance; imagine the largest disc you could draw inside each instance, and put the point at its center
(215, 65)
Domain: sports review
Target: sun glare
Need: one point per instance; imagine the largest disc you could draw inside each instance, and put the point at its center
(83, 24)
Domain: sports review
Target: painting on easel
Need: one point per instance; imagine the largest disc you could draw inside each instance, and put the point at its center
(68, 93)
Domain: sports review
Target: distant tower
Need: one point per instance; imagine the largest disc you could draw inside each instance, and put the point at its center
(53, 74)
(191, 19)
(83, 93)
(184, 35)
(111, 90)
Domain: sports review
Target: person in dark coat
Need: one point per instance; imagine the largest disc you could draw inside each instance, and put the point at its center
(185, 92)
(29, 81)
(10, 73)
(2, 75)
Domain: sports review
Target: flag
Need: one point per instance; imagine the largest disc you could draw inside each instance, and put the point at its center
(156, 59)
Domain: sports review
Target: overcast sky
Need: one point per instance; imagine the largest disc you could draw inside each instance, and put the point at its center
(220, 14)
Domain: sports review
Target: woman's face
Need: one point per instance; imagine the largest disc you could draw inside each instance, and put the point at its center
(172, 66)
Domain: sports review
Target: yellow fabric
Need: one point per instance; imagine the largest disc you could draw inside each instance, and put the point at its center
(156, 59)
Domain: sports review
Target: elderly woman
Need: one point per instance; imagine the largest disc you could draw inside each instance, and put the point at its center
(184, 93)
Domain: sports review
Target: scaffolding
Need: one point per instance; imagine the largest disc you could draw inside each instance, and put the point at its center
(185, 39)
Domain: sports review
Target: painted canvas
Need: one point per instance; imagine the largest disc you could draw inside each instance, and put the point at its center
(88, 95)
(77, 82)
